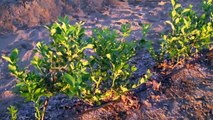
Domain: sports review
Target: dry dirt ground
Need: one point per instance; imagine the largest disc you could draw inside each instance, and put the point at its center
(184, 93)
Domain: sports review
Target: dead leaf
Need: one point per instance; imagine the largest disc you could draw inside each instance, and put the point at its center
(209, 106)
(156, 97)
(147, 104)
(161, 3)
(156, 85)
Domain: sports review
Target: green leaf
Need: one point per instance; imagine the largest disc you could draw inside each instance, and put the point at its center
(183, 29)
(38, 44)
(173, 2)
(124, 89)
(187, 23)
(12, 68)
(7, 59)
(174, 13)
(142, 80)
(108, 56)
(177, 6)
(185, 11)
(134, 86)
(14, 54)
(64, 27)
(69, 79)
(133, 68)
(177, 20)
(84, 62)
(59, 53)
(52, 31)
(38, 91)
(89, 46)
(171, 24)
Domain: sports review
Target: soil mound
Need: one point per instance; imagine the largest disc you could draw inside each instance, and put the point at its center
(29, 13)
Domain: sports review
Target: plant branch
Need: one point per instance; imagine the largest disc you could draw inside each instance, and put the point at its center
(44, 108)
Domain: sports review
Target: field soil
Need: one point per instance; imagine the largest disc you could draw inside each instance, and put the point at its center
(185, 92)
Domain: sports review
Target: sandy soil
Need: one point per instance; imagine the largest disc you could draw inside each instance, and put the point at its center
(186, 93)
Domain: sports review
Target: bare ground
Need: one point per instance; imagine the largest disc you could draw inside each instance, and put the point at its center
(185, 93)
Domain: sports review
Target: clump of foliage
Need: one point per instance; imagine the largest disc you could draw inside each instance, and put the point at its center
(13, 112)
(94, 69)
(191, 32)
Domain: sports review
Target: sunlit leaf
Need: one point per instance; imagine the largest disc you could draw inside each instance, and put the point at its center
(69, 79)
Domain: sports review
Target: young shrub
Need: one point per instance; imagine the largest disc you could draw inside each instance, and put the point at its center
(109, 67)
(52, 64)
(190, 32)
(94, 70)
(28, 84)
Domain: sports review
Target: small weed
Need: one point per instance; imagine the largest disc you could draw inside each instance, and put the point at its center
(13, 112)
